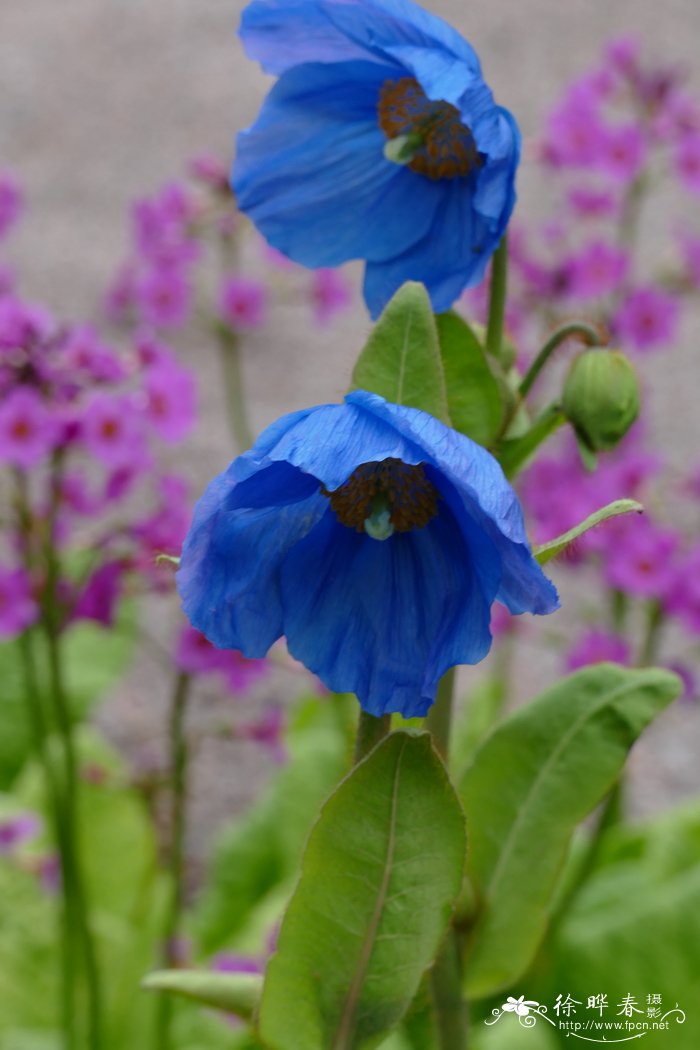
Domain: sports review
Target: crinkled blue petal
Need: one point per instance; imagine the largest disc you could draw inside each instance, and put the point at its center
(283, 33)
(312, 175)
(448, 259)
(229, 571)
(485, 493)
(384, 620)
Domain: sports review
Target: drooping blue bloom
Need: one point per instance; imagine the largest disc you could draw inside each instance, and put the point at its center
(361, 81)
(374, 538)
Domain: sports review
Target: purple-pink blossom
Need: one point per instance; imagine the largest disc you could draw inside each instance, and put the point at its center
(112, 430)
(647, 319)
(330, 293)
(165, 298)
(18, 829)
(597, 646)
(171, 401)
(642, 561)
(28, 428)
(242, 302)
(686, 162)
(597, 270)
(18, 609)
(11, 201)
(268, 731)
(622, 153)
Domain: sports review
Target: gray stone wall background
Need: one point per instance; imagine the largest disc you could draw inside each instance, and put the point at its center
(103, 100)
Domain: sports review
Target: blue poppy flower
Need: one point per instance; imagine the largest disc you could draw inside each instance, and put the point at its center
(374, 538)
(380, 141)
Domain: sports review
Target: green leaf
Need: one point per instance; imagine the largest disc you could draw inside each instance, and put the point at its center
(233, 993)
(515, 453)
(474, 397)
(546, 551)
(401, 360)
(532, 781)
(380, 875)
(635, 925)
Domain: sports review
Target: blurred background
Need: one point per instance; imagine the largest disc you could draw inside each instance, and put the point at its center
(102, 102)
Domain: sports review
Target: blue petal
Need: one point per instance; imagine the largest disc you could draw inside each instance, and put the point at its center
(312, 175)
(466, 235)
(283, 33)
(229, 573)
(444, 76)
(330, 442)
(487, 498)
(385, 619)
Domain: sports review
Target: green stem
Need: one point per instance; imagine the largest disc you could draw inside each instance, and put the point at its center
(56, 809)
(497, 299)
(650, 641)
(236, 411)
(71, 852)
(618, 610)
(446, 975)
(589, 334)
(439, 720)
(446, 988)
(179, 766)
(370, 731)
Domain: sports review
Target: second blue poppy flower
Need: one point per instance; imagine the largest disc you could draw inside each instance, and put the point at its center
(380, 141)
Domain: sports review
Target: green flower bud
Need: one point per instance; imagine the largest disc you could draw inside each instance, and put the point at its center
(601, 397)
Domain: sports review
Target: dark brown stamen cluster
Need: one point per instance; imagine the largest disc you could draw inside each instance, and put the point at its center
(411, 498)
(448, 149)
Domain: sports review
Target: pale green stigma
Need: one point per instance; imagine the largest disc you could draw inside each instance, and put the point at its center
(403, 148)
(378, 525)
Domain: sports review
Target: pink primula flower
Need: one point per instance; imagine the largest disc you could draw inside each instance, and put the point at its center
(28, 428)
(647, 319)
(171, 401)
(642, 562)
(597, 270)
(18, 610)
(112, 430)
(686, 162)
(330, 293)
(243, 303)
(595, 647)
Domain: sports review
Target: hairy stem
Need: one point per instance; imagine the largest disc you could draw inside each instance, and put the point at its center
(497, 299)
(75, 890)
(236, 410)
(588, 334)
(439, 720)
(179, 767)
(370, 731)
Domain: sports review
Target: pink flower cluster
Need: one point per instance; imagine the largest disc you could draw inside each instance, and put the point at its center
(82, 427)
(619, 127)
(175, 233)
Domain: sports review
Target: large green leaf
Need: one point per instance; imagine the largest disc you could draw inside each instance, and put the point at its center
(401, 360)
(474, 397)
(532, 781)
(634, 927)
(380, 875)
